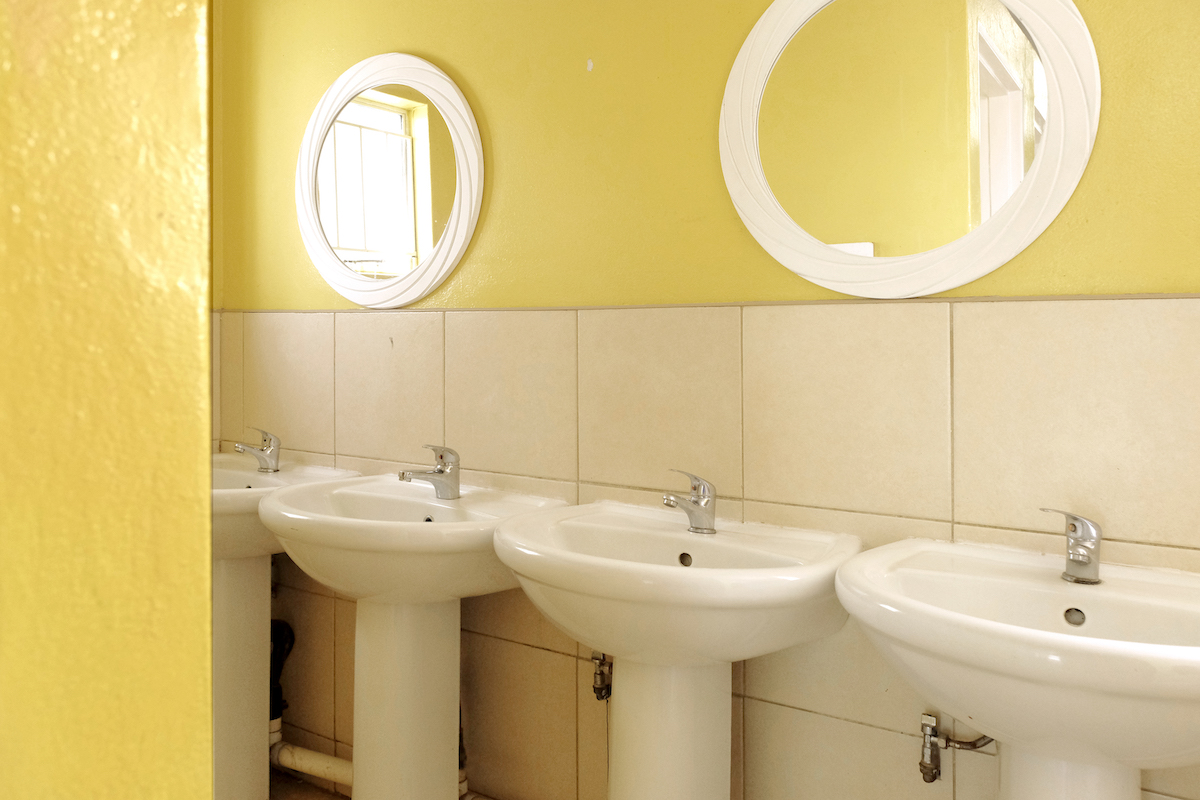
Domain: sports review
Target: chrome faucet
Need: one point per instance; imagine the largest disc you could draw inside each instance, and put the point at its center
(444, 475)
(1083, 549)
(701, 507)
(267, 455)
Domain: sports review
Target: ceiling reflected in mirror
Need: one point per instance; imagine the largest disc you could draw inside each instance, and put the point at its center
(385, 181)
(893, 127)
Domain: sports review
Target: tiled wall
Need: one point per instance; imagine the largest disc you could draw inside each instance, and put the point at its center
(885, 420)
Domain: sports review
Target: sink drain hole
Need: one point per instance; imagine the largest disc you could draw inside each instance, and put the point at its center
(429, 519)
(1074, 616)
(685, 559)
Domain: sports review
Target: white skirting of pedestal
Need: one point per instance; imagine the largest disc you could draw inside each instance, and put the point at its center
(406, 701)
(241, 631)
(670, 734)
(1026, 774)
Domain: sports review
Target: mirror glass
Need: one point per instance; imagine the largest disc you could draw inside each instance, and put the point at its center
(386, 181)
(892, 127)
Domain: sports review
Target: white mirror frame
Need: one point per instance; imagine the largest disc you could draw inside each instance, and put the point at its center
(1073, 80)
(394, 68)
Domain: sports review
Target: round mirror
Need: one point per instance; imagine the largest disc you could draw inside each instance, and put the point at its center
(385, 181)
(897, 148)
(390, 181)
(911, 149)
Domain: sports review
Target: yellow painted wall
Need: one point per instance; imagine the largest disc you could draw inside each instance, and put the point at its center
(873, 149)
(604, 187)
(105, 685)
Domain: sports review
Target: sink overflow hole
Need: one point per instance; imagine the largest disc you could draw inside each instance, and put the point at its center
(685, 559)
(429, 519)
(1074, 616)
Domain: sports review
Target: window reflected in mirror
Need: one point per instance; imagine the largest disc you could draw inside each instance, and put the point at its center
(385, 181)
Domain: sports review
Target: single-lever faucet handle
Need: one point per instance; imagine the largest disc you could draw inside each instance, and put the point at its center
(444, 456)
(700, 487)
(1083, 548)
(701, 507)
(267, 455)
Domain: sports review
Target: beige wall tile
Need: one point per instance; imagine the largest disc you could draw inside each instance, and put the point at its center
(1183, 782)
(520, 720)
(308, 676)
(390, 375)
(792, 753)
(510, 391)
(214, 386)
(567, 491)
(231, 375)
(659, 390)
(289, 378)
(872, 529)
(727, 508)
(344, 614)
(509, 615)
(287, 456)
(976, 776)
(1087, 406)
(1141, 555)
(843, 676)
(593, 737)
(848, 407)
(373, 466)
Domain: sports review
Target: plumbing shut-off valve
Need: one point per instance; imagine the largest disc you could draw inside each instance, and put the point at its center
(932, 744)
(602, 676)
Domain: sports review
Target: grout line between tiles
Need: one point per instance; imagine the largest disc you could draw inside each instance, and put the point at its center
(742, 399)
(445, 377)
(832, 716)
(578, 406)
(335, 385)
(574, 655)
(578, 788)
(950, 321)
(1060, 533)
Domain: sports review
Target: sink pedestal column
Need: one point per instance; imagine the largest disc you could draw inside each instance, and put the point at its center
(1025, 774)
(406, 701)
(241, 633)
(670, 735)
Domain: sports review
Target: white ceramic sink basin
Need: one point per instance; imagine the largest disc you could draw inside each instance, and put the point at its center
(407, 557)
(675, 608)
(241, 551)
(385, 540)
(237, 488)
(611, 575)
(982, 632)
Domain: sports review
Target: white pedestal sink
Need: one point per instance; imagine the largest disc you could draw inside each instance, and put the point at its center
(407, 558)
(617, 577)
(982, 632)
(242, 550)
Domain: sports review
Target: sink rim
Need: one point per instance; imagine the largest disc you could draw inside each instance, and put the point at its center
(523, 545)
(1080, 661)
(290, 523)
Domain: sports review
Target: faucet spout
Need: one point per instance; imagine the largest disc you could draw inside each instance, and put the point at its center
(1083, 549)
(267, 455)
(700, 507)
(443, 477)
